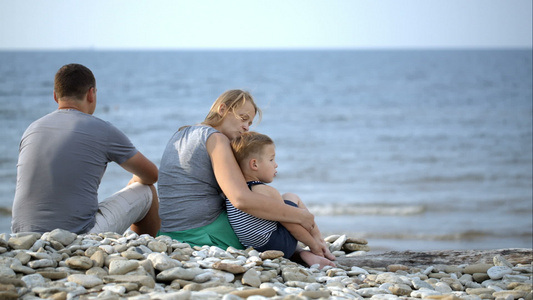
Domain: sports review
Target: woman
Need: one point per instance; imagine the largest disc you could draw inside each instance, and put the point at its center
(198, 168)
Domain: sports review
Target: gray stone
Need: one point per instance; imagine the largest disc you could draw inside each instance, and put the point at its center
(87, 281)
(297, 274)
(140, 280)
(53, 274)
(229, 267)
(355, 240)
(121, 267)
(132, 255)
(62, 236)
(41, 263)
(443, 288)
(401, 289)
(24, 242)
(115, 289)
(477, 268)
(17, 266)
(338, 243)
(514, 293)
(479, 291)
(23, 257)
(38, 245)
(34, 280)
(97, 271)
(369, 292)
(79, 262)
(157, 246)
(516, 278)
(332, 238)
(351, 247)
(7, 272)
(497, 272)
(419, 284)
(271, 254)
(162, 262)
(500, 261)
(224, 276)
(251, 278)
(424, 293)
(179, 273)
(388, 277)
(98, 258)
(480, 277)
(203, 277)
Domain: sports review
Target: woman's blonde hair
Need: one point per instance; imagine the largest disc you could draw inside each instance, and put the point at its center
(248, 144)
(232, 99)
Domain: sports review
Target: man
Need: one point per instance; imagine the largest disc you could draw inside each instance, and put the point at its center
(63, 157)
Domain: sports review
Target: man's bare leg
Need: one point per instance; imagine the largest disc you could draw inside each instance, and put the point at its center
(151, 222)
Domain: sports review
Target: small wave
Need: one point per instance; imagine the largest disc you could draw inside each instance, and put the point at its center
(459, 178)
(469, 235)
(361, 209)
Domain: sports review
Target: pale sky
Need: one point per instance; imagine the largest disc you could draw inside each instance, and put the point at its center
(270, 24)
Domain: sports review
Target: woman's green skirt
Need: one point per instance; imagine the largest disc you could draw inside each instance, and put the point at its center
(219, 233)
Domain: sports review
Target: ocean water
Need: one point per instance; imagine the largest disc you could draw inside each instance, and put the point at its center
(412, 150)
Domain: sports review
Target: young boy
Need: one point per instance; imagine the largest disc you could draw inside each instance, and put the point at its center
(255, 154)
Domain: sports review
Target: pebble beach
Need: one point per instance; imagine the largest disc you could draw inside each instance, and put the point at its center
(63, 265)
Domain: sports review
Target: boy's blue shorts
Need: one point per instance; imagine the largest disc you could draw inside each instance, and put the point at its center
(281, 239)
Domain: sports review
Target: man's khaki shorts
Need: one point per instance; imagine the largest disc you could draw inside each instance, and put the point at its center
(128, 206)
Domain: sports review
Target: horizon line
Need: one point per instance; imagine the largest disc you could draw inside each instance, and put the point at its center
(207, 49)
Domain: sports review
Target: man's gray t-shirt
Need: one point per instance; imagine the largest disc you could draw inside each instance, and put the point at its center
(189, 195)
(62, 158)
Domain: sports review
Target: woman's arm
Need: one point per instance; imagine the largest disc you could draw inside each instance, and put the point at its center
(231, 181)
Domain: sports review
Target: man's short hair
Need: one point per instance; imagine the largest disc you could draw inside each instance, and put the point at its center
(73, 80)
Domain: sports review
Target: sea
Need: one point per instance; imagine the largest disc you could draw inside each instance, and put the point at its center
(409, 149)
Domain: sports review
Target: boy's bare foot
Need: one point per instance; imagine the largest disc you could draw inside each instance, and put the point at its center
(328, 254)
(312, 259)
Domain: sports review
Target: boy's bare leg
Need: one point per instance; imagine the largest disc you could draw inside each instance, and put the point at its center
(151, 222)
(316, 234)
(302, 235)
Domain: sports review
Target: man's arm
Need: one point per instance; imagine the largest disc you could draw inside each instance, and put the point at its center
(143, 170)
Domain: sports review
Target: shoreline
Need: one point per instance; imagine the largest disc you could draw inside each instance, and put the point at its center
(63, 265)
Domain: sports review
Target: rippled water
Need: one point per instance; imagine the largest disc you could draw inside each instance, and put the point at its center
(410, 149)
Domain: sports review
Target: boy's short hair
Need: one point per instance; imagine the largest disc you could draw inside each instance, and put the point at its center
(249, 143)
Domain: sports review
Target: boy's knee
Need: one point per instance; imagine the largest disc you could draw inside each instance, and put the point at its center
(291, 197)
(289, 202)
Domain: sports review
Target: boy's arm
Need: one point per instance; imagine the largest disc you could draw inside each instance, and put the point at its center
(267, 190)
